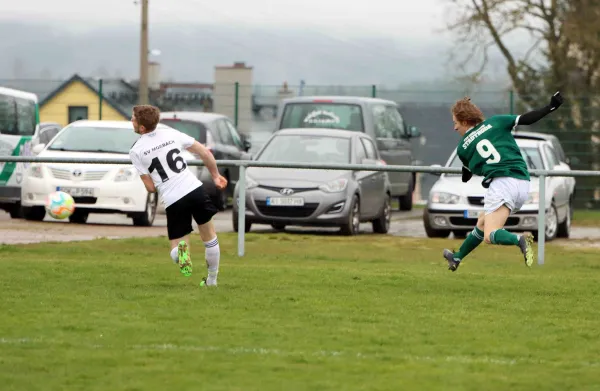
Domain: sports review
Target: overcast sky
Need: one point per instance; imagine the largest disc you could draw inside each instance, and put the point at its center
(400, 19)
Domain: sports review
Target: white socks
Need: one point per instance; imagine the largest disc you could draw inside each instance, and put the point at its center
(175, 255)
(213, 255)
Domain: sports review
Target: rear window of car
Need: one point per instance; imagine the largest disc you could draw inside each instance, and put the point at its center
(331, 115)
(196, 130)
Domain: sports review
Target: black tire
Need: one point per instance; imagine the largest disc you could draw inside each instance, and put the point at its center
(460, 234)
(564, 228)
(16, 211)
(351, 227)
(34, 213)
(381, 225)
(550, 233)
(432, 232)
(79, 217)
(278, 226)
(406, 201)
(146, 218)
(234, 222)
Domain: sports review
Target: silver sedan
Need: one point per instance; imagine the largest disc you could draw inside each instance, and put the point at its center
(321, 198)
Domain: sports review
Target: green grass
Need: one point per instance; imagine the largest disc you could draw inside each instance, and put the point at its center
(586, 218)
(297, 313)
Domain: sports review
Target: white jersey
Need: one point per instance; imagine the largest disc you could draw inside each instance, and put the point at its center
(158, 154)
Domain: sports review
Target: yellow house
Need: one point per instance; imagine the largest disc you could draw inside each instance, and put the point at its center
(77, 99)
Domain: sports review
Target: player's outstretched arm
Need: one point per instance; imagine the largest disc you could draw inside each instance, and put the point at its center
(210, 163)
(534, 116)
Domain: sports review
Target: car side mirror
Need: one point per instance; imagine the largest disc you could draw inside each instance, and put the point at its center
(38, 148)
(247, 145)
(435, 166)
(413, 131)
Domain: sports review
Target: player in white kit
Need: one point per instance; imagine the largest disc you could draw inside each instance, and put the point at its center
(156, 156)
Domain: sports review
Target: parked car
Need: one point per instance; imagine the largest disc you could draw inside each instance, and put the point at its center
(379, 118)
(96, 188)
(219, 135)
(454, 206)
(324, 198)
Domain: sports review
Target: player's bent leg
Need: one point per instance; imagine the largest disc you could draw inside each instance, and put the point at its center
(212, 251)
(495, 234)
(473, 240)
(180, 253)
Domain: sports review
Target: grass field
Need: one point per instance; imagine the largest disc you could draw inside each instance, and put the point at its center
(586, 218)
(297, 313)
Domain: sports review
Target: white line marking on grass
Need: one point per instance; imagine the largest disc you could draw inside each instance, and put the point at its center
(321, 353)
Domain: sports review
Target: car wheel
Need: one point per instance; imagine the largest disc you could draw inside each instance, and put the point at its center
(234, 222)
(79, 217)
(551, 224)
(16, 211)
(146, 218)
(564, 228)
(352, 225)
(34, 213)
(381, 225)
(406, 201)
(278, 226)
(460, 234)
(433, 232)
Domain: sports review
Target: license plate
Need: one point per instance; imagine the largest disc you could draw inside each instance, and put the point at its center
(285, 201)
(471, 214)
(77, 191)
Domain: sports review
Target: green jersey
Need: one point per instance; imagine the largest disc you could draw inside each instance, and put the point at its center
(489, 150)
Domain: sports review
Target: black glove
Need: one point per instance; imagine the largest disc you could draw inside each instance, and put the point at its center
(556, 101)
(466, 174)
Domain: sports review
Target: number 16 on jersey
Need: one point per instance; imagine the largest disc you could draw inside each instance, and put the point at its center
(175, 164)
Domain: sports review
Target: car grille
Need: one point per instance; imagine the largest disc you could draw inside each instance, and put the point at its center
(286, 211)
(85, 200)
(61, 173)
(461, 221)
(295, 189)
(476, 201)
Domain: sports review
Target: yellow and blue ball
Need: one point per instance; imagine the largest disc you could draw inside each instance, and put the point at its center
(60, 205)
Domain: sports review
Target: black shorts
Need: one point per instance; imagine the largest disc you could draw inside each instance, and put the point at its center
(195, 204)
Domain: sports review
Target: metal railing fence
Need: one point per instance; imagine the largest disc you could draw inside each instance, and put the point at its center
(243, 164)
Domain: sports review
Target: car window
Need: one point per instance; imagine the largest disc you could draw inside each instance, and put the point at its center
(224, 133)
(560, 153)
(235, 136)
(551, 157)
(360, 152)
(388, 122)
(194, 129)
(306, 149)
(370, 148)
(47, 133)
(323, 115)
(94, 139)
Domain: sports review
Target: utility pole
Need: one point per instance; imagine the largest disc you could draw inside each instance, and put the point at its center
(143, 86)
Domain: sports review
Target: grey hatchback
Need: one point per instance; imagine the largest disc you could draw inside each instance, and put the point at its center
(316, 197)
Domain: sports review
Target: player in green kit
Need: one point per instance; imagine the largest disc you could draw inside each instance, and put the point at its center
(488, 149)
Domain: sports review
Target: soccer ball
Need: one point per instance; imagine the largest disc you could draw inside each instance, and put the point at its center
(60, 205)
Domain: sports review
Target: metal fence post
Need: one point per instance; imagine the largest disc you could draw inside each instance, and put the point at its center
(241, 202)
(542, 219)
(373, 91)
(100, 98)
(236, 103)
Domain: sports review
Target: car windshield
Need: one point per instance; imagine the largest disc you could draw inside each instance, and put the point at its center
(323, 115)
(196, 130)
(95, 139)
(530, 154)
(306, 149)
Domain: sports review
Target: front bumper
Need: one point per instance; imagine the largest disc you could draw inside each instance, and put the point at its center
(464, 217)
(319, 209)
(107, 196)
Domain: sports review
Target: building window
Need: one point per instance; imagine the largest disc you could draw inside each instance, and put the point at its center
(77, 113)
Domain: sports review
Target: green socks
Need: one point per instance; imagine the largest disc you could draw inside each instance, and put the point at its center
(503, 237)
(473, 240)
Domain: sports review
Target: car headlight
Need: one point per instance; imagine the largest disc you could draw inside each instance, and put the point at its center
(444, 198)
(250, 183)
(335, 186)
(125, 175)
(36, 171)
(534, 198)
